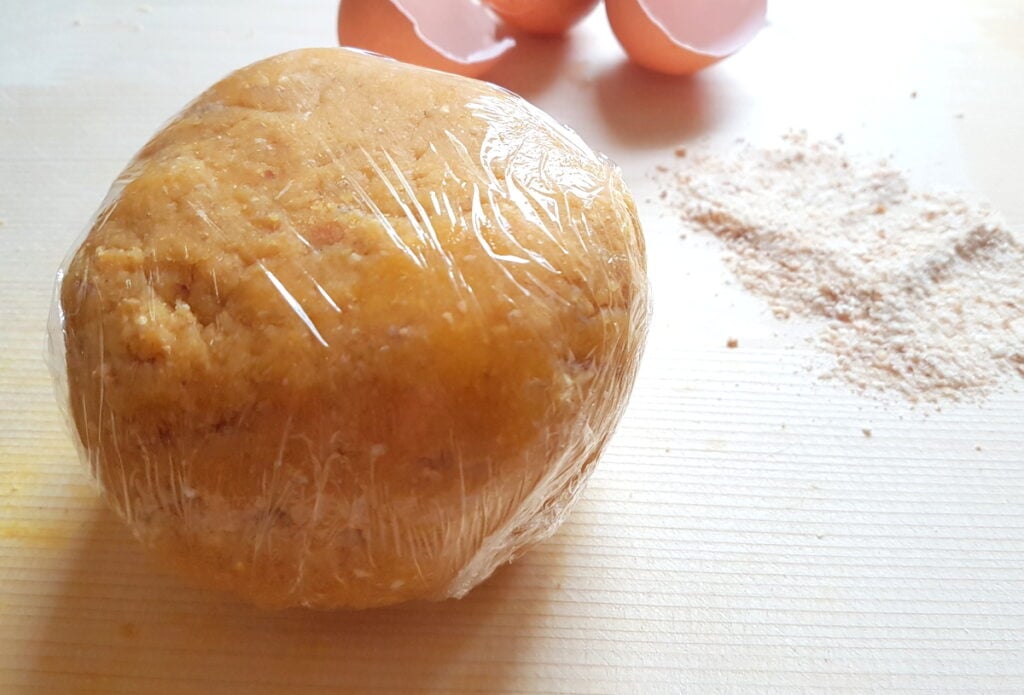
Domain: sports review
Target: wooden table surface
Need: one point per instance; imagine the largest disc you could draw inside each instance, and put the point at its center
(741, 535)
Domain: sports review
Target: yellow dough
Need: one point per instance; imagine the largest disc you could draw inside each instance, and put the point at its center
(348, 332)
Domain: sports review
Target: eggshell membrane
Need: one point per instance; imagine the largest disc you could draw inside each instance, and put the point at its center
(542, 16)
(456, 36)
(680, 37)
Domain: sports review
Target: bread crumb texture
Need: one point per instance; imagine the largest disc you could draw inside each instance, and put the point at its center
(348, 332)
(920, 293)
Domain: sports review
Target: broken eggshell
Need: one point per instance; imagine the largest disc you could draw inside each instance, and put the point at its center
(680, 37)
(457, 36)
(542, 16)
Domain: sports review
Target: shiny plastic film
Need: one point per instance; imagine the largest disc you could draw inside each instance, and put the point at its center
(348, 332)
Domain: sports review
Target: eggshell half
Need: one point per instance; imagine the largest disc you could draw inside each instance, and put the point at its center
(680, 37)
(542, 16)
(457, 36)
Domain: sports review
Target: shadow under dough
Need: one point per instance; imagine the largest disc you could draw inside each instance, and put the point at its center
(120, 624)
(645, 109)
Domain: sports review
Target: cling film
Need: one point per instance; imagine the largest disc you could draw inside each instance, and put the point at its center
(348, 332)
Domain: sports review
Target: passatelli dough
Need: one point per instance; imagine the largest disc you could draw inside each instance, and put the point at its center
(348, 332)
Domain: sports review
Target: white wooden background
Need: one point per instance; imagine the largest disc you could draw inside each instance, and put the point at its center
(742, 535)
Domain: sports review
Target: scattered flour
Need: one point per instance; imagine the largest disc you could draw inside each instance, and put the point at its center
(922, 293)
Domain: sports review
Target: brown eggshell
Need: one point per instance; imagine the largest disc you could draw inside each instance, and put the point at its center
(456, 36)
(680, 37)
(542, 16)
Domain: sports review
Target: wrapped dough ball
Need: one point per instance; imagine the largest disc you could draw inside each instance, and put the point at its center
(348, 332)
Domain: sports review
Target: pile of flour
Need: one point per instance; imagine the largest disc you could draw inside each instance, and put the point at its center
(921, 293)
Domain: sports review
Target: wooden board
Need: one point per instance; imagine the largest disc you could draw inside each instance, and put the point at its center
(742, 535)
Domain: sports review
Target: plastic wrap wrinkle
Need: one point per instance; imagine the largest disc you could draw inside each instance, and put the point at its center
(348, 332)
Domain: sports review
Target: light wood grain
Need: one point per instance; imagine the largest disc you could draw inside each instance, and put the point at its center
(742, 535)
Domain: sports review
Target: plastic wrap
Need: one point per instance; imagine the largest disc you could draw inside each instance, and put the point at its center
(348, 332)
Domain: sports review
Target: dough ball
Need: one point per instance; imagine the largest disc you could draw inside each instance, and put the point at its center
(348, 332)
